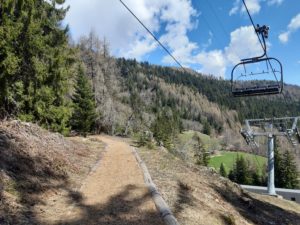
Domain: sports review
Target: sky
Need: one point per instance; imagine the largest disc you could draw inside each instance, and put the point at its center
(204, 35)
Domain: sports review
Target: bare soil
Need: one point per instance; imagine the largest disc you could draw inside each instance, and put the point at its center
(114, 193)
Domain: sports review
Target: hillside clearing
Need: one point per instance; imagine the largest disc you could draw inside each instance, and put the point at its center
(228, 159)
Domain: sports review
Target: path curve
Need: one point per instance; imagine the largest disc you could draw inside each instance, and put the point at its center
(115, 192)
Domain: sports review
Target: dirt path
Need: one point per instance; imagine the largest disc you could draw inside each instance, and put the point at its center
(114, 193)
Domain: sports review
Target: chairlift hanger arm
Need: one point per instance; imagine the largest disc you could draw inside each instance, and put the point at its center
(263, 32)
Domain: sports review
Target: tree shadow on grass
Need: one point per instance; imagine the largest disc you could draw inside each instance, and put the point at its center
(257, 211)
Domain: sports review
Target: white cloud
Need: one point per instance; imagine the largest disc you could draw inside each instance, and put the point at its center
(111, 20)
(139, 48)
(127, 37)
(275, 2)
(209, 41)
(235, 8)
(253, 7)
(284, 37)
(213, 62)
(173, 18)
(243, 44)
(293, 26)
(295, 23)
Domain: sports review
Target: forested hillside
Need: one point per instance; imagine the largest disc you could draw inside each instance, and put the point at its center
(42, 74)
(219, 91)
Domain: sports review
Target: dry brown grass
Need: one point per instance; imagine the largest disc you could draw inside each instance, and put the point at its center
(39, 170)
(200, 196)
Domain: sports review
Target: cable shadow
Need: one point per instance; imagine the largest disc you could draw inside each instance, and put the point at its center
(257, 211)
(184, 198)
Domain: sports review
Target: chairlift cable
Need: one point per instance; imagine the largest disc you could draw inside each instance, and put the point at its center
(209, 26)
(155, 38)
(254, 27)
(262, 45)
(218, 18)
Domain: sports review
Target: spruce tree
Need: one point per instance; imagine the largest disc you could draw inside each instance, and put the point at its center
(206, 128)
(286, 173)
(222, 170)
(241, 170)
(201, 154)
(35, 62)
(240, 173)
(166, 126)
(290, 178)
(278, 166)
(84, 113)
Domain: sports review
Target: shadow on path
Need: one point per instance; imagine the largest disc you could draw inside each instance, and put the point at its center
(121, 209)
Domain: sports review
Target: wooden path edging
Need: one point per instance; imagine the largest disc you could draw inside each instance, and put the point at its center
(159, 202)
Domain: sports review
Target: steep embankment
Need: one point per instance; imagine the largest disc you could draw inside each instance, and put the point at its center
(40, 171)
(199, 196)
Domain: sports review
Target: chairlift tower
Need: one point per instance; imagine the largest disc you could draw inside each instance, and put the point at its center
(271, 128)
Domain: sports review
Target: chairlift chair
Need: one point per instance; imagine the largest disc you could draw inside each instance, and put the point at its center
(272, 68)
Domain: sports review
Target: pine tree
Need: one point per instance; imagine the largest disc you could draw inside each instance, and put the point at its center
(222, 170)
(84, 114)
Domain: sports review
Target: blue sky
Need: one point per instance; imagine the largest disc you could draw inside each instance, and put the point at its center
(208, 36)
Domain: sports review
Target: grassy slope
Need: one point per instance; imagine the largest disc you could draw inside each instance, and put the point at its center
(185, 140)
(228, 159)
(199, 196)
(185, 143)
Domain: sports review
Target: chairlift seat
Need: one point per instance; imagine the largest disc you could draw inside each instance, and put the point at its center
(257, 90)
(241, 88)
